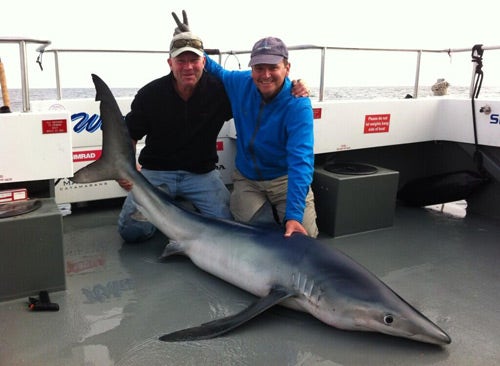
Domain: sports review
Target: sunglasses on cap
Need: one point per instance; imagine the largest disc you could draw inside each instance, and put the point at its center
(195, 43)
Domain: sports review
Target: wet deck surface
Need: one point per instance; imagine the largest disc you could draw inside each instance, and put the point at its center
(120, 299)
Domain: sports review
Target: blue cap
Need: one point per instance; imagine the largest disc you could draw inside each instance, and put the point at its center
(269, 50)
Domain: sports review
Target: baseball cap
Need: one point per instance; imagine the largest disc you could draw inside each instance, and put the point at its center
(186, 42)
(269, 50)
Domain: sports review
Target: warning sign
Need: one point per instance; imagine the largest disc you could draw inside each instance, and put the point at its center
(377, 123)
(316, 113)
(54, 126)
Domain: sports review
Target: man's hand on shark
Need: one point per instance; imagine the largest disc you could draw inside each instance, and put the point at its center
(292, 227)
(125, 183)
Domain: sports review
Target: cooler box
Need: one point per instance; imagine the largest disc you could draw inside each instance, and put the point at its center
(31, 252)
(354, 201)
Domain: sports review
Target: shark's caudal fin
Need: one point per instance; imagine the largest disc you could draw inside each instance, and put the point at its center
(118, 158)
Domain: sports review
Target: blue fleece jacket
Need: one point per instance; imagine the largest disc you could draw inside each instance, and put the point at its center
(274, 138)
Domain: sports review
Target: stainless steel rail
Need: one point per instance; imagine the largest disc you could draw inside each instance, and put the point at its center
(418, 53)
(323, 54)
(22, 43)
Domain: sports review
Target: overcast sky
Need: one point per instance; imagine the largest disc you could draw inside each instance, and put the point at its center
(236, 25)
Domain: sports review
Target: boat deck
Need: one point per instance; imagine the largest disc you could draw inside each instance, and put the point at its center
(120, 298)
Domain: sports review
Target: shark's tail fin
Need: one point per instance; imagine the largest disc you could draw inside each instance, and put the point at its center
(118, 158)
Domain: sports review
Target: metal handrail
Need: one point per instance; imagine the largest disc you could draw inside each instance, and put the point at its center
(323, 51)
(22, 43)
(56, 53)
(418, 52)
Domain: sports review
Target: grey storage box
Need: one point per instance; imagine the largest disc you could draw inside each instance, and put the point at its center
(352, 203)
(31, 252)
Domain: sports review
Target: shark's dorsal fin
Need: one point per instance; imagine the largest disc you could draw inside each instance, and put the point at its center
(220, 326)
(118, 157)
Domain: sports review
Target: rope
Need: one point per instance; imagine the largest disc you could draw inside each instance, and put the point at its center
(236, 57)
(477, 57)
(39, 60)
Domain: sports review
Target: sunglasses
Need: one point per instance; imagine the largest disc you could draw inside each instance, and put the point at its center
(195, 43)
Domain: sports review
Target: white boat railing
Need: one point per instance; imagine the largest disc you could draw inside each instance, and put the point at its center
(43, 48)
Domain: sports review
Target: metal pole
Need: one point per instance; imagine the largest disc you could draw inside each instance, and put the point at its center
(472, 79)
(24, 76)
(58, 76)
(417, 74)
(322, 75)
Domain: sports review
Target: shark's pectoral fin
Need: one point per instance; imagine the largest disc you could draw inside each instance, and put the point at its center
(172, 248)
(218, 327)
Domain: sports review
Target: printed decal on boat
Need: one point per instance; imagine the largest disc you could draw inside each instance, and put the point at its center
(317, 113)
(86, 155)
(86, 122)
(50, 126)
(377, 123)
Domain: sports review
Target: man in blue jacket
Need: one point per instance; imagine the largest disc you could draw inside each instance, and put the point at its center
(181, 115)
(274, 157)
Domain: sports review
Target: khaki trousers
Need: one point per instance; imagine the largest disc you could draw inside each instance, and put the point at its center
(249, 196)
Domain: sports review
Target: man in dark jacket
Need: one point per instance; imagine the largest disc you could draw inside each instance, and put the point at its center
(180, 115)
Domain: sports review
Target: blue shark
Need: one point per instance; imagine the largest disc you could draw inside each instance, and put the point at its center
(298, 272)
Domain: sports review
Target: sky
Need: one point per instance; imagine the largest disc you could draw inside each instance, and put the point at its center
(237, 25)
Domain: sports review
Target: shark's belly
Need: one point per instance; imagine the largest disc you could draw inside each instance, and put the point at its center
(253, 268)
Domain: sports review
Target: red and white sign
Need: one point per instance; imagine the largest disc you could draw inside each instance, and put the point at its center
(50, 126)
(13, 195)
(316, 113)
(86, 155)
(377, 123)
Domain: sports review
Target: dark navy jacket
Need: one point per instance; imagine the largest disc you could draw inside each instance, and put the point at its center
(180, 135)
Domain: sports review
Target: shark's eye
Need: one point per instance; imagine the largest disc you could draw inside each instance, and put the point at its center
(388, 319)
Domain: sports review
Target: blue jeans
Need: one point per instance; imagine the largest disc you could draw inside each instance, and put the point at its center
(207, 192)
